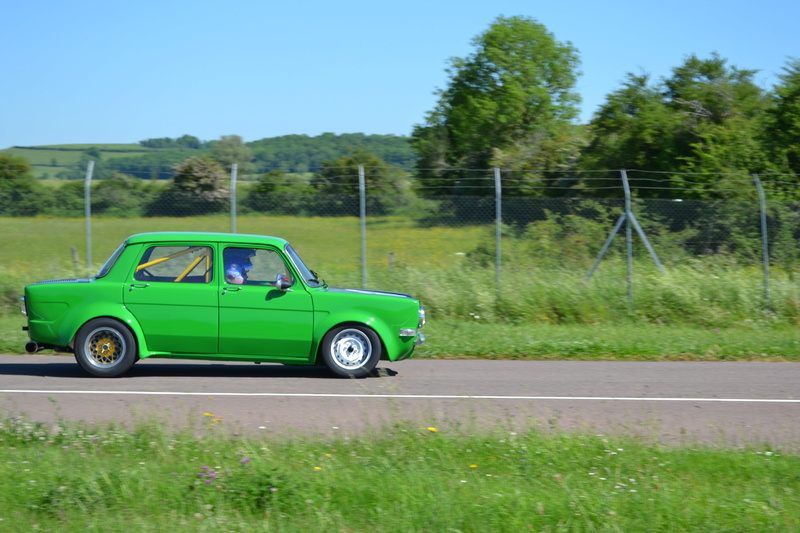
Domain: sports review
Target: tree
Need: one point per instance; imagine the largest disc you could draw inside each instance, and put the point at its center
(632, 129)
(783, 129)
(188, 141)
(722, 112)
(201, 176)
(14, 170)
(387, 188)
(517, 87)
(301, 153)
(708, 90)
(279, 193)
(198, 188)
(705, 118)
(184, 141)
(20, 193)
(100, 170)
(230, 149)
(121, 195)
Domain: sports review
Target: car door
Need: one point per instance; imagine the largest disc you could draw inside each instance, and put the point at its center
(255, 317)
(174, 296)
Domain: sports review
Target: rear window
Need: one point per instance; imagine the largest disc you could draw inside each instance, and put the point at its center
(176, 264)
(111, 260)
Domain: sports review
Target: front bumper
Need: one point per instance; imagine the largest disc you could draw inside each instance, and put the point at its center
(419, 338)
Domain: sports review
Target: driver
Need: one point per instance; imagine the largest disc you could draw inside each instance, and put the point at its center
(237, 264)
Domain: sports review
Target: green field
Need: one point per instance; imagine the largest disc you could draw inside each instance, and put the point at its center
(48, 161)
(331, 245)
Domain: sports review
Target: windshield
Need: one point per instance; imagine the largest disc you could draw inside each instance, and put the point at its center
(111, 260)
(309, 275)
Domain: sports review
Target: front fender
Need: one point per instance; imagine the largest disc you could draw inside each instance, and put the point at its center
(394, 346)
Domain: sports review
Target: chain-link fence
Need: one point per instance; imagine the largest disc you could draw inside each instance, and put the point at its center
(380, 218)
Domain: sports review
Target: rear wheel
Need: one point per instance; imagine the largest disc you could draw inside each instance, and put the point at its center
(351, 351)
(105, 348)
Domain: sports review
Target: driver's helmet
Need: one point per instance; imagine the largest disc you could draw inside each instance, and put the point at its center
(237, 264)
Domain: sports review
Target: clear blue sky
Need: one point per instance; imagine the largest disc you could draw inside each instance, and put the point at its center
(92, 71)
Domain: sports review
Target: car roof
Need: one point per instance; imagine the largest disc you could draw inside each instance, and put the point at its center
(191, 236)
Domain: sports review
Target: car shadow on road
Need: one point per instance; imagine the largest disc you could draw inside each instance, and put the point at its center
(161, 369)
(240, 371)
(61, 370)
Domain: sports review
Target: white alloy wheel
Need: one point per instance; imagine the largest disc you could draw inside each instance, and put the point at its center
(350, 351)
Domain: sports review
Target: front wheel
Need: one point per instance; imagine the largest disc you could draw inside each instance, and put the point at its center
(351, 351)
(105, 348)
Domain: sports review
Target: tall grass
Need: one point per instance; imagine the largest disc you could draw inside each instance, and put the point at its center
(701, 293)
(403, 477)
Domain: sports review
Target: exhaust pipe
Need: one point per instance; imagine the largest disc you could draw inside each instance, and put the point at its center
(33, 347)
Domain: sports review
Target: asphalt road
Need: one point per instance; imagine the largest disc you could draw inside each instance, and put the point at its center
(670, 402)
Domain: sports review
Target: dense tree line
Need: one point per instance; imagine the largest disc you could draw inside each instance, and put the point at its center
(183, 142)
(302, 153)
(286, 153)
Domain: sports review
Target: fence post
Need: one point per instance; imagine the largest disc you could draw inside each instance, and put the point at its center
(630, 219)
(234, 171)
(764, 237)
(628, 233)
(498, 193)
(362, 200)
(87, 205)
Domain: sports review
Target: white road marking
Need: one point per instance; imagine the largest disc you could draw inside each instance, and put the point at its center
(406, 396)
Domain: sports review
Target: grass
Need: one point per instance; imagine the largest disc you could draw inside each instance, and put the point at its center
(458, 339)
(69, 477)
(331, 244)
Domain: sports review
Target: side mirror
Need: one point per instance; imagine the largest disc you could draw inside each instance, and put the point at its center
(282, 283)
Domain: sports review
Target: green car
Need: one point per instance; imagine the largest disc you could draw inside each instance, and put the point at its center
(217, 296)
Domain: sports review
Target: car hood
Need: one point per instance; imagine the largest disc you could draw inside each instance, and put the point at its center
(369, 292)
(75, 280)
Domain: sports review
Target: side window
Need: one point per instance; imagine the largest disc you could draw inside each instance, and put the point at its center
(176, 264)
(254, 266)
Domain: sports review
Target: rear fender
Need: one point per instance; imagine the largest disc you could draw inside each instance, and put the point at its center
(122, 315)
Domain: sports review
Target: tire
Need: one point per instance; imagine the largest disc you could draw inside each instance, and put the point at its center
(105, 348)
(351, 351)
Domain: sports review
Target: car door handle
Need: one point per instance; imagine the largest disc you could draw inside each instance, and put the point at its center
(226, 289)
(139, 285)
